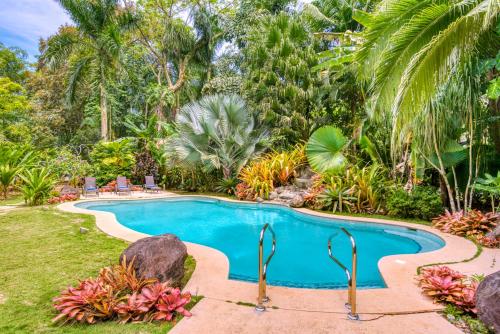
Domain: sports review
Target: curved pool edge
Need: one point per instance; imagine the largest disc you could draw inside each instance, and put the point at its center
(210, 277)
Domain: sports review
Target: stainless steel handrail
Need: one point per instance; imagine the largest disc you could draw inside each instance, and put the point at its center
(262, 297)
(351, 278)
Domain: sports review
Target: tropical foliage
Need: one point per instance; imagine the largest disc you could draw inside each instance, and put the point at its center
(13, 160)
(324, 149)
(91, 50)
(279, 56)
(112, 159)
(422, 202)
(37, 185)
(274, 169)
(218, 132)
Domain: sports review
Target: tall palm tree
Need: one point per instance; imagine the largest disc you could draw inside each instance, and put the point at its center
(412, 48)
(92, 50)
(421, 60)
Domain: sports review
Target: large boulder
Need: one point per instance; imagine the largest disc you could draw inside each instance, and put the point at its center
(488, 301)
(160, 256)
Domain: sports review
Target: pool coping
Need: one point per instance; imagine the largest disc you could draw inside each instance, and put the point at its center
(210, 277)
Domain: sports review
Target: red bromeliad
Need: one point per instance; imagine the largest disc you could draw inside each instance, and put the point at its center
(171, 302)
(118, 293)
(446, 285)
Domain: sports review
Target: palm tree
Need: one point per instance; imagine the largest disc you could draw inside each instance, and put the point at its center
(412, 48)
(92, 49)
(218, 132)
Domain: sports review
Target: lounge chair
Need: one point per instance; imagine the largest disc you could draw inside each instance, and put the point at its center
(90, 187)
(150, 184)
(122, 185)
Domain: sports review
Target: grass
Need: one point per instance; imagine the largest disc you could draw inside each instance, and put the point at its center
(43, 253)
(12, 199)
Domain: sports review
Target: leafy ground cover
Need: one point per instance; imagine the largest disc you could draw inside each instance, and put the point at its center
(43, 252)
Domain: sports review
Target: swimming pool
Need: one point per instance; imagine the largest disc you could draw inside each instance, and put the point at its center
(301, 258)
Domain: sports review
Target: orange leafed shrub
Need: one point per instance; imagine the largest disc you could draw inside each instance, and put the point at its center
(474, 224)
(118, 294)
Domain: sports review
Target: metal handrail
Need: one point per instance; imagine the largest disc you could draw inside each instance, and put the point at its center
(351, 278)
(262, 297)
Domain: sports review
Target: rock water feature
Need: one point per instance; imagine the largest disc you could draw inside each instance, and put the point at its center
(293, 195)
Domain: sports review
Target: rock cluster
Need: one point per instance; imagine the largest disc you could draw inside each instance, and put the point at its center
(289, 195)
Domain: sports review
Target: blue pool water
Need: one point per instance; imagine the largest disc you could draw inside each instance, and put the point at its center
(301, 258)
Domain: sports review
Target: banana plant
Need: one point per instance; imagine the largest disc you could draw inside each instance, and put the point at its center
(491, 185)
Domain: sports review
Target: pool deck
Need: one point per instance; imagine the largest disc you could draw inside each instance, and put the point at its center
(398, 308)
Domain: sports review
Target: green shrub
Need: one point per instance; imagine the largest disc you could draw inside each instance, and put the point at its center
(13, 160)
(422, 202)
(112, 159)
(65, 163)
(38, 184)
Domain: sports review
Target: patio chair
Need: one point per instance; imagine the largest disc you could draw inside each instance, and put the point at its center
(122, 185)
(150, 184)
(90, 187)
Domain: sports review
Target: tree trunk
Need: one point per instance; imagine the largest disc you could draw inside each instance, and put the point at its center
(104, 113)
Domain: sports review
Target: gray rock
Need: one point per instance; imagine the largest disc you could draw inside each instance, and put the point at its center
(488, 301)
(84, 230)
(66, 189)
(297, 201)
(160, 256)
(273, 195)
(259, 200)
(495, 233)
(303, 183)
(286, 195)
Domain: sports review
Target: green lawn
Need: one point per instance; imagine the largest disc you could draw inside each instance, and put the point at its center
(42, 252)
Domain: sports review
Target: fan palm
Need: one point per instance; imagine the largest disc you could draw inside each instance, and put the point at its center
(412, 48)
(324, 149)
(92, 49)
(219, 132)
